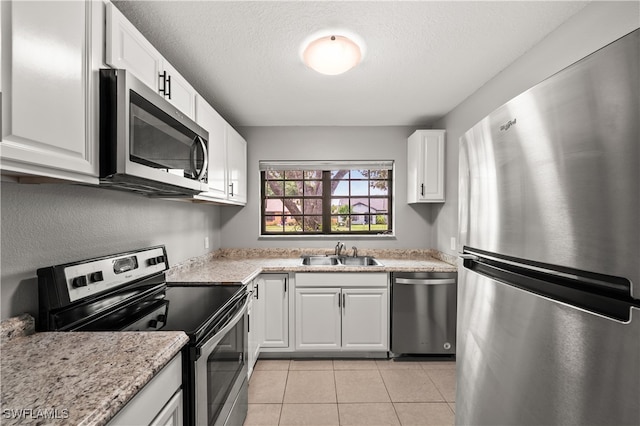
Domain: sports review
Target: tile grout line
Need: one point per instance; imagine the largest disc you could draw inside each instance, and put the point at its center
(389, 395)
(437, 388)
(335, 388)
(286, 380)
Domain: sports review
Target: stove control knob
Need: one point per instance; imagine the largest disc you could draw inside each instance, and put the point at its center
(160, 259)
(152, 261)
(80, 281)
(96, 277)
(162, 318)
(153, 324)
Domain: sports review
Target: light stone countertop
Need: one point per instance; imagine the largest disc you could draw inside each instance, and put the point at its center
(82, 378)
(243, 265)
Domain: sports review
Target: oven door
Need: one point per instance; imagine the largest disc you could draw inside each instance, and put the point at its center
(221, 389)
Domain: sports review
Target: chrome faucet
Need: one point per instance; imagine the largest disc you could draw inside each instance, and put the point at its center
(339, 248)
(355, 251)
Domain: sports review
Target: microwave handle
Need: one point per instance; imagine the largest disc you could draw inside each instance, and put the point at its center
(205, 165)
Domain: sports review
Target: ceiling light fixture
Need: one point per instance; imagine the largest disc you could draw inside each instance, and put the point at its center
(332, 54)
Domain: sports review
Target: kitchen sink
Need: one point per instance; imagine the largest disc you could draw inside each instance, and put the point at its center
(359, 261)
(319, 261)
(340, 261)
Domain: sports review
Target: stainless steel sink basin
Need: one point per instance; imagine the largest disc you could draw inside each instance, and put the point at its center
(359, 261)
(339, 261)
(320, 261)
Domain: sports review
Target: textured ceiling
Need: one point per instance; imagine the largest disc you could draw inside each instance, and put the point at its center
(422, 57)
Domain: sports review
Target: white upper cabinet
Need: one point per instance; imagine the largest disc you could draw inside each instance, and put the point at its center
(227, 158)
(49, 90)
(212, 122)
(178, 90)
(425, 166)
(237, 166)
(127, 48)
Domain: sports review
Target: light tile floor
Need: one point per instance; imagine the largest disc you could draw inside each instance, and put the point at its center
(352, 392)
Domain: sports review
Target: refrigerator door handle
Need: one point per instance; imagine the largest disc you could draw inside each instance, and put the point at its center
(466, 256)
(485, 257)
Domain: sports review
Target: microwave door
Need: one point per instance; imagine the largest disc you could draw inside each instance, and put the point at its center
(164, 147)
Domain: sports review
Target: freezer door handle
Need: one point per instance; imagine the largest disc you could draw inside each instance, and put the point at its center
(413, 281)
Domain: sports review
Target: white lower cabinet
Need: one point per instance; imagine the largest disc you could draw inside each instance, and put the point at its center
(256, 328)
(159, 403)
(365, 319)
(273, 294)
(318, 324)
(351, 317)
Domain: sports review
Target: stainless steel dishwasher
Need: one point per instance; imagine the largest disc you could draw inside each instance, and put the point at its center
(423, 313)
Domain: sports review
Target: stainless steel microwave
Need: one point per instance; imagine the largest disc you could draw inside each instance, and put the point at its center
(147, 145)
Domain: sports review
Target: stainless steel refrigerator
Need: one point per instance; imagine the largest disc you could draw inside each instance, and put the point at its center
(549, 271)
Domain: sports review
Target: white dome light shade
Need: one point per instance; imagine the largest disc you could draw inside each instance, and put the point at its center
(332, 55)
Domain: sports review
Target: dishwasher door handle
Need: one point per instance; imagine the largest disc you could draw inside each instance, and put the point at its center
(433, 281)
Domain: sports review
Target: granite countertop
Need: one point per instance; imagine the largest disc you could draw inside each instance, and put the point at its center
(243, 265)
(79, 378)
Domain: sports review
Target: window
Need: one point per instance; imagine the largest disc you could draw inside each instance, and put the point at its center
(316, 197)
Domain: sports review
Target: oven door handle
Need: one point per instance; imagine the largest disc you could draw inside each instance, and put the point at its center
(213, 340)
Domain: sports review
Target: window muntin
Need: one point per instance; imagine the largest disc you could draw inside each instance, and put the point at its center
(326, 200)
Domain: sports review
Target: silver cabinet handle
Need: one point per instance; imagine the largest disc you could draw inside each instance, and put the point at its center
(424, 282)
(231, 186)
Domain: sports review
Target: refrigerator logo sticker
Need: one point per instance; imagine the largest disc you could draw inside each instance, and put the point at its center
(510, 123)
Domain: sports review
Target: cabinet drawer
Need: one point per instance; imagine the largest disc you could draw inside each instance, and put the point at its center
(341, 279)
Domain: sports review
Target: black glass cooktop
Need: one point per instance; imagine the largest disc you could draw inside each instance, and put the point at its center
(194, 307)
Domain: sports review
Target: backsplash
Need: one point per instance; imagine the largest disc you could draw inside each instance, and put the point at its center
(287, 253)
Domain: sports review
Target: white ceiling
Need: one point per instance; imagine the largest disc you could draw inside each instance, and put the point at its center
(422, 57)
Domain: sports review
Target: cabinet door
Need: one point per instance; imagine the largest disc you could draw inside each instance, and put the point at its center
(209, 119)
(318, 318)
(256, 326)
(179, 92)
(48, 90)
(274, 293)
(237, 166)
(127, 48)
(425, 166)
(171, 414)
(365, 317)
(251, 339)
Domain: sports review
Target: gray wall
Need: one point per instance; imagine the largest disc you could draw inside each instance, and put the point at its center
(413, 223)
(595, 26)
(44, 225)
